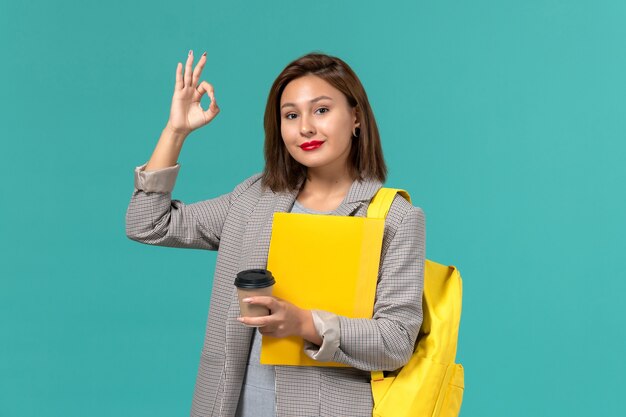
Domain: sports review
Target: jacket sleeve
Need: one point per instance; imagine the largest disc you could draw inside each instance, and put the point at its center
(153, 218)
(387, 340)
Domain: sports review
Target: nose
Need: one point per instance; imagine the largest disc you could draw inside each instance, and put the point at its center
(306, 127)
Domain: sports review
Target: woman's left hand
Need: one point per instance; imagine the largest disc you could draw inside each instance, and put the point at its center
(285, 319)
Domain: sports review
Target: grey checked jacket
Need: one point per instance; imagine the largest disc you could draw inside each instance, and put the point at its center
(238, 226)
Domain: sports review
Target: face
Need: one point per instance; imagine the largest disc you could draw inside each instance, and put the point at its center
(317, 123)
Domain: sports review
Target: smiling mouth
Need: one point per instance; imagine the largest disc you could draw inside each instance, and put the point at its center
(309, 146)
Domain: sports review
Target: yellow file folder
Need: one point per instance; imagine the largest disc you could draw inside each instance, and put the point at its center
(326, 263)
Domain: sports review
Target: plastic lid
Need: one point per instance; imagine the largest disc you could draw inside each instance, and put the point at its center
(254, 278)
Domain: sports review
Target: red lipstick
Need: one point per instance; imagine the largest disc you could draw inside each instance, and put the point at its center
(309, 146)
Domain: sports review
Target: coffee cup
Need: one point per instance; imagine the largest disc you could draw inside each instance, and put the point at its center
(254, 282)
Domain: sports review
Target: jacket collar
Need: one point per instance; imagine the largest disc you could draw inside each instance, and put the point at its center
(360, 192)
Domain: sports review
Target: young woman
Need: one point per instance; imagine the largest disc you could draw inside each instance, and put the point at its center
(323, 156)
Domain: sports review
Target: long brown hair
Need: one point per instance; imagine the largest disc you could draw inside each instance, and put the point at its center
(282, 172)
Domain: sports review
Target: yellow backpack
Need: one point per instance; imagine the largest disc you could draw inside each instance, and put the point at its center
(430, 384)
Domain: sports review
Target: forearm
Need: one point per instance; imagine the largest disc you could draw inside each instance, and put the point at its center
(377, 344)
(307, 330)
(167, 150)
(368, 344)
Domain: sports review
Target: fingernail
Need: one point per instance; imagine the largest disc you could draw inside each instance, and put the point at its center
(190, 51)
(240, 319)
(247, 300)
(204, 54)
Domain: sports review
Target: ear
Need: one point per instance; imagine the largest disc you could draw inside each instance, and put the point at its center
(356, 115)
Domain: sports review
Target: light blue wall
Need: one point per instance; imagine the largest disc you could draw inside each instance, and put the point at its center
(504, 119)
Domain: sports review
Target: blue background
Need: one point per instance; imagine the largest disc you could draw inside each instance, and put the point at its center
(503, 119)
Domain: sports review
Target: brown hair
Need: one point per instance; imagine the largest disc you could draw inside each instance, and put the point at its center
(282, 172)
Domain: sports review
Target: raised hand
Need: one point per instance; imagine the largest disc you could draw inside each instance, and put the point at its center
(186, 113)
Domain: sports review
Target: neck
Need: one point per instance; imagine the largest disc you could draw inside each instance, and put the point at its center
(328, 182)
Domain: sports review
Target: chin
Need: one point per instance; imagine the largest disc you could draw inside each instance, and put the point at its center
(310, 162)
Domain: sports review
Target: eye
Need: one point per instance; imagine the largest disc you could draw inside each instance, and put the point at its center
(323, 108)
(288, 116)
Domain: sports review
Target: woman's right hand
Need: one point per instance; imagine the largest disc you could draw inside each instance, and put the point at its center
(186, 113)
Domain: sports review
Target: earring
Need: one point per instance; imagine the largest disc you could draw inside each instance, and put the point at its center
(354, 134)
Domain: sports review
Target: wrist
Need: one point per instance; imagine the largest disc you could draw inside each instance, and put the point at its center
(177, 135)
(307, 328)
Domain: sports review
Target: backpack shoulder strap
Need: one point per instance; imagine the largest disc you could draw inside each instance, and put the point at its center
(378, 209)
(381, 202)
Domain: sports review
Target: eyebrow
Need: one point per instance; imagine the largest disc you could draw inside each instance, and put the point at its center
(316, 99)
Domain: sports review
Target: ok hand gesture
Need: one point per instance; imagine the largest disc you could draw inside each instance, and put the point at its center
(186, 113)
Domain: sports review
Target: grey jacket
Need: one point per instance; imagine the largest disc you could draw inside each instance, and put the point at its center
(238, 226)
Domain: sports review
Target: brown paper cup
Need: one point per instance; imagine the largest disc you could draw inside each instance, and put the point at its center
(254, 282)
(253, 310)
